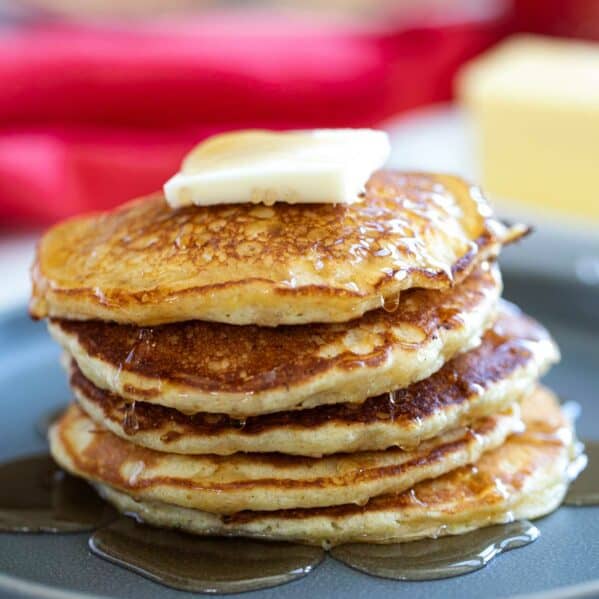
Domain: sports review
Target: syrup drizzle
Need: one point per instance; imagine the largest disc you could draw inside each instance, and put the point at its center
(201, 564)
(391, 304)
(431, 559)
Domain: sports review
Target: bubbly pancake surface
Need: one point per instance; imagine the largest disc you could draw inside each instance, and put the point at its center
(526, 477)
(147, 264)
(228, 484)
(243, 371)
(512, 356)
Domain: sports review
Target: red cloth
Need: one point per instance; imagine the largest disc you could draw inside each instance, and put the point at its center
(90, 117)
(574, 18)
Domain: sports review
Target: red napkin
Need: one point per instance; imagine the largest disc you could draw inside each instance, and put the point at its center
(90, 117)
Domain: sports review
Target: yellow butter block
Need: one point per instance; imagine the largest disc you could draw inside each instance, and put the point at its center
(534, 102)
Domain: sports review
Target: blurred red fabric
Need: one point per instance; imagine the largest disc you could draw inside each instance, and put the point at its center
(90, 117)
(574, 18)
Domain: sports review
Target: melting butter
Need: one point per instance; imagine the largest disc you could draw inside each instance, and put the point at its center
(258, 166)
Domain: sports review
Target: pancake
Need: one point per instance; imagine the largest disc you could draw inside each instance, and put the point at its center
(226, 485)
(147, 264)
(513, 354)
(243, 371)
(527, 477)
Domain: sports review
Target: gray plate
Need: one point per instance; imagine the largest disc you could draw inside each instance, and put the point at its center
(56, 566)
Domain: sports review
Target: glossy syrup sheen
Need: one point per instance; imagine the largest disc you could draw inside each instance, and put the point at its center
(37, 496)
(437, 558)
(147, 264)
(200, 564)
(584, 490)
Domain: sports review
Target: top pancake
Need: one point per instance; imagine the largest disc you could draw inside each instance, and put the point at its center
(147, 264)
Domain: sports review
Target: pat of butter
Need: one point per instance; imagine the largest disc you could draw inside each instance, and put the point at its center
(320, 165)
(534, 104)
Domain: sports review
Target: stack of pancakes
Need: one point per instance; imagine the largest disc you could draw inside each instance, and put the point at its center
(319, 373)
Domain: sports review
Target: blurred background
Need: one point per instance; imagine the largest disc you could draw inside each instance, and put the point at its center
(100, 99)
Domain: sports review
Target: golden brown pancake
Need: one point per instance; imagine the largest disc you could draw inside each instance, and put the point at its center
(230, 484)
(243, 371)
(527, 477)
(147, 264)
(513, 354)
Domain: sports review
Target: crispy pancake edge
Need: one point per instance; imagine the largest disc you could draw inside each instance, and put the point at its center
(347, 377)
(231, 484)
(456, 503)
(257, 300)
(473, 384)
